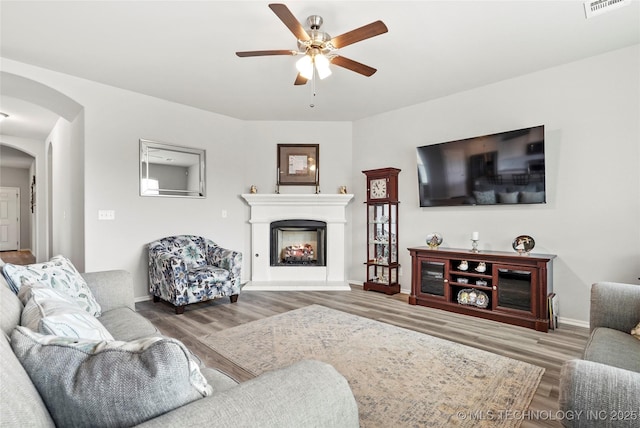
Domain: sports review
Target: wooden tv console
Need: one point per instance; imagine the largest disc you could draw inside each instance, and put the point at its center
(510, 287)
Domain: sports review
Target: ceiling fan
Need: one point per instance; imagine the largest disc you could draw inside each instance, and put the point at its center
(319, 49)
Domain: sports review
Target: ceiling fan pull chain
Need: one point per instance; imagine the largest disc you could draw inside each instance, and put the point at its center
(313, 88)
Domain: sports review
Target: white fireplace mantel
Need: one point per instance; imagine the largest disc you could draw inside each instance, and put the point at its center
(267, 208)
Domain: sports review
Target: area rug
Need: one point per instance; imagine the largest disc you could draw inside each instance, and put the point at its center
(399, 377)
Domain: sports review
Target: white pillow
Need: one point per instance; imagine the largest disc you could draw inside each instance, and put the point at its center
(58, 273)
(50, 311)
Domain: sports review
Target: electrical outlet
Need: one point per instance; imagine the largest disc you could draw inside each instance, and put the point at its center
(224, 213)
(106, 215)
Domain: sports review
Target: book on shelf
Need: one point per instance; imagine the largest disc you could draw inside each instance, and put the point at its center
(552, 304)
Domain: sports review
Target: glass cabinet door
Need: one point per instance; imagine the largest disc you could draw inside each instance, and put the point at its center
(514, 290)
(383, 234)
(433, 277)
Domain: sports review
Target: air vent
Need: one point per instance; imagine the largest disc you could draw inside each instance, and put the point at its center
(598, 7)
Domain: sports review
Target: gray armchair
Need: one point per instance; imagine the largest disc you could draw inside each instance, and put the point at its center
(603, 388)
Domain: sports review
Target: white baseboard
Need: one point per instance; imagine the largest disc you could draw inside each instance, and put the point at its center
(142, 299)
(570, 321)
(296, 286)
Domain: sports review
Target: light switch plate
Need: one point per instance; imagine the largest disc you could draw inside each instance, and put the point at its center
(106, 215)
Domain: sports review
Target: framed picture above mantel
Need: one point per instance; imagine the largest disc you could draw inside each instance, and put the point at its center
(298, 164)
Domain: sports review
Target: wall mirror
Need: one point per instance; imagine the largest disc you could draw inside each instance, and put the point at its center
(168, 170)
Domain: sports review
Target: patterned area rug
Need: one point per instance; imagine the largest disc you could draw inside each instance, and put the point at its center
(400, 378)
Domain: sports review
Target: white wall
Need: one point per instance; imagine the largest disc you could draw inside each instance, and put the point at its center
(115, 120)
(591, 220)
(67, 189)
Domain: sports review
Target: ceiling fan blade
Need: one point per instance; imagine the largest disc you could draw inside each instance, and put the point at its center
(265, 53)
(289, 20)
(352, 65)
(300, 80)
(362, 33)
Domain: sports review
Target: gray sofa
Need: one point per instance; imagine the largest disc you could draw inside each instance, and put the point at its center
(603, 388)
(307, 394)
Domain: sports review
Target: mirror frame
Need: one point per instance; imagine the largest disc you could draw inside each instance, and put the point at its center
(146, 145)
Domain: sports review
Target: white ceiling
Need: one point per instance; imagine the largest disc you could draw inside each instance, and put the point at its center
(184, 51)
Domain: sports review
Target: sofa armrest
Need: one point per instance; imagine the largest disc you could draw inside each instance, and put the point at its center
(615, 305)
(112, 289)
(307, 394)
(598, 395)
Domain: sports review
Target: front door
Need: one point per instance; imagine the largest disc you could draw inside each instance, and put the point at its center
(9, 218)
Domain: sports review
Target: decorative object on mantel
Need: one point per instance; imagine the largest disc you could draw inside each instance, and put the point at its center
(523, 244)
(475, 237)
(298, 165)
(342, 190)
(434, 240)
(253, 189)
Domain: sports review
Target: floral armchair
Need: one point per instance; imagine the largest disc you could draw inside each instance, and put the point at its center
(186, 269)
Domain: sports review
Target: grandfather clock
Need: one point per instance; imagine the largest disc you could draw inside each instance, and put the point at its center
(382, 230)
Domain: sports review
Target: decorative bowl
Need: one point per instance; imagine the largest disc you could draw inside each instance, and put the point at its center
(434, 240)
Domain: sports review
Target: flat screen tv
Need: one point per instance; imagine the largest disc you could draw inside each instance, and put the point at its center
(507, 168)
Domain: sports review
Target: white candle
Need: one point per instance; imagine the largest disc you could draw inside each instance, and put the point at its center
(475, 236)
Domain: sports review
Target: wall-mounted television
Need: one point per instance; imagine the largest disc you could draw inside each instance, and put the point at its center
(506, 168)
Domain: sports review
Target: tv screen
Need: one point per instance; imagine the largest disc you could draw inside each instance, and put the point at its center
(506, 168)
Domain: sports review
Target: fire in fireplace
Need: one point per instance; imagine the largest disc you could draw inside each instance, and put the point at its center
(298, 243)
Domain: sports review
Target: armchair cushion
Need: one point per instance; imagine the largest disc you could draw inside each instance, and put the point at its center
(92, 383)
(210, 274)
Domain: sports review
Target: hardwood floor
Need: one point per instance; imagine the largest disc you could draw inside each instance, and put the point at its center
(23, 257)
(548, 350)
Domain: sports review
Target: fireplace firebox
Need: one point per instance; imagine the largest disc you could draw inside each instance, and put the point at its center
(298, 243)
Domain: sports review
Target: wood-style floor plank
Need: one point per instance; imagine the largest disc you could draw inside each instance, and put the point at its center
(21, 257)
(548, 350)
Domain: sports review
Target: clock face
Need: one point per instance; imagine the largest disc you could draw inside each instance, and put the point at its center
(378, 188)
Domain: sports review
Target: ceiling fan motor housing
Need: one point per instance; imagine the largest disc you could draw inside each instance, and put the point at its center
(318, 40)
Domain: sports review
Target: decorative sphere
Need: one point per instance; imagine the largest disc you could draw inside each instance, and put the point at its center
(434, 240)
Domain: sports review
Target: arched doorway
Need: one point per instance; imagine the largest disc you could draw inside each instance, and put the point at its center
(44, 241)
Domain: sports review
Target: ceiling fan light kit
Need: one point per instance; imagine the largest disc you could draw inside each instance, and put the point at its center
(319, 49)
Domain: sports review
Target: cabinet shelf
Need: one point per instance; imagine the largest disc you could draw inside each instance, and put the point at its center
(477, 287)
(472, 274)
(517, 287)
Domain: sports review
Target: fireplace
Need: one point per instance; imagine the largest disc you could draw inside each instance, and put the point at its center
(298, 243)
(316, 258)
